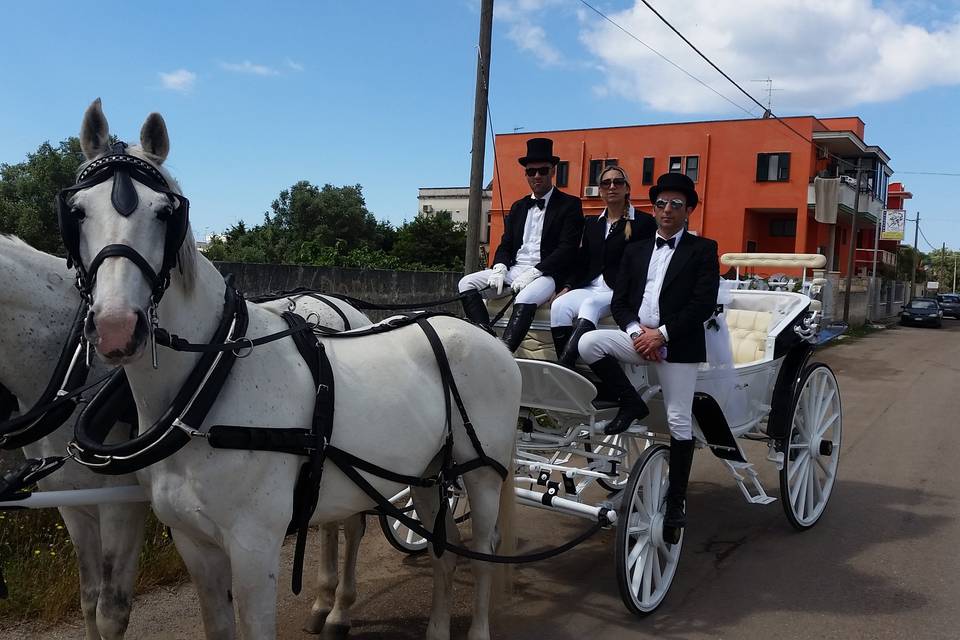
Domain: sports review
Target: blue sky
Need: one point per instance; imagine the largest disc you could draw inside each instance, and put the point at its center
(257, 96)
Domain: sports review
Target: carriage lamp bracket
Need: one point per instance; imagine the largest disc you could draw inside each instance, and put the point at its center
(809, 327)
(569, 486)
(758, 495)
(543, 477)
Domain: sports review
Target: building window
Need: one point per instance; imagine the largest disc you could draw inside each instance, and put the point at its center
(751, 246)
(597, 167)
(676, 164)
(563, 173)
(773, 167)
(647, 177)
(783, 228)
(693, 167)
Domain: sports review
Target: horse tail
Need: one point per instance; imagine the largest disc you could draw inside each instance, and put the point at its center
(506, 521)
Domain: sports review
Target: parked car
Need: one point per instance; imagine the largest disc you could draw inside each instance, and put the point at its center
(922, 311)
(950, 304)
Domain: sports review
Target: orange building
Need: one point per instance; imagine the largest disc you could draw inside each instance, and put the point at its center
(755, 178)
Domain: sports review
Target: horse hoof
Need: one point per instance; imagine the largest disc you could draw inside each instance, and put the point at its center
(336, 632)
(315, 622)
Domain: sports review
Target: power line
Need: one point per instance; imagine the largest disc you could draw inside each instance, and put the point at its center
(767, 113)
(929, 173)
(666, 59)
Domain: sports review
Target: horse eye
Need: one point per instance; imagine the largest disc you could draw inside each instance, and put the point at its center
(165, 211)
(78, 212)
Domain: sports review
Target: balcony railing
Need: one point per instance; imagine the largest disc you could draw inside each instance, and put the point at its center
(869, 204)
(864, 257)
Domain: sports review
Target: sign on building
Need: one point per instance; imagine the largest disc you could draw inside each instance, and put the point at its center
(894, 224)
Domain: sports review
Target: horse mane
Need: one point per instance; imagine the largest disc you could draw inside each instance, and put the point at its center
(187, 256)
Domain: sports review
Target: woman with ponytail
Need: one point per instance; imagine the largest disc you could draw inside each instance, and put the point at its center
(586, 296)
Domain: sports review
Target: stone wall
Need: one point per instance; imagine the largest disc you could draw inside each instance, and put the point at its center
(373, 285)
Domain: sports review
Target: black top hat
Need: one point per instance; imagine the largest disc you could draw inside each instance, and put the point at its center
(675, 182)
(539, 150)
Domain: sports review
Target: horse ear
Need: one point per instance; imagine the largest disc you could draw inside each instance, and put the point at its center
(94, 132)
(153, 137)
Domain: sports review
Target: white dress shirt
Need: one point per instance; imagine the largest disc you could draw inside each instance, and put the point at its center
(649, 314)
(529, 253)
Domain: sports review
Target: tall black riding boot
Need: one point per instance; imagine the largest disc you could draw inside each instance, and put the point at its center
(571, 353)
(632, 406)
(518, 324)
(561, 335)
(474, 308)
(681, 459)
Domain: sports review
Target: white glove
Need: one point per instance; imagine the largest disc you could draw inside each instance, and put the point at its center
(526, 278)
(496, 278)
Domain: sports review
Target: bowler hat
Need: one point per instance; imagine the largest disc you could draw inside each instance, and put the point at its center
(675, 182)
(539, 150)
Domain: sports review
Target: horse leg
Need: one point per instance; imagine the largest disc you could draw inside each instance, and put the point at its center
(483, 488)
(338, 622)
(84, 529)
(427, 503)
(255, 561)
(209, 569)
(326, 577)
(121, 537)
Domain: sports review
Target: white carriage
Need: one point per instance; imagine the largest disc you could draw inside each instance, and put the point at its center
(771, 392)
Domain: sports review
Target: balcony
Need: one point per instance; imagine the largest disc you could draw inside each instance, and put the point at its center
(864, 259)
(869, 204)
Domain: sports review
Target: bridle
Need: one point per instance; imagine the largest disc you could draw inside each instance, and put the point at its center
(124, 169)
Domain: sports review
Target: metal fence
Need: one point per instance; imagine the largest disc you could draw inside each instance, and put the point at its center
(885, 297)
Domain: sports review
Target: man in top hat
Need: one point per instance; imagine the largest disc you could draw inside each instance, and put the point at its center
(665, 291)
(541, 235)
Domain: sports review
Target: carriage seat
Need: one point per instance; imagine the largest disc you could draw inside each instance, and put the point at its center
(748, 334)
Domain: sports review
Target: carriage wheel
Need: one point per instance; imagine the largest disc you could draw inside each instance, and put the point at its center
(812, 448)
(645, 563)
(401, 537)
(632, 448)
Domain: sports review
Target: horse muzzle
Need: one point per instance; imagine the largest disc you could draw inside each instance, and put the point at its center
(119, 336)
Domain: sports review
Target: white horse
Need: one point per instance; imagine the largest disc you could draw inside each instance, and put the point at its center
(229, 509)
(37, 304)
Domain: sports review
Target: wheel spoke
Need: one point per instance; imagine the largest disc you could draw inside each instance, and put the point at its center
(823, 465)
(636, 576)
(656, 479)
(797, 481)
(826, 424)
(827, 403)
(657, 569)
(636, 551)
(647, 576)
(798, 463)
(410, 536)
(811, 480)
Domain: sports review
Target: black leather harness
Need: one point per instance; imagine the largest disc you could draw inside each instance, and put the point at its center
(57, 402)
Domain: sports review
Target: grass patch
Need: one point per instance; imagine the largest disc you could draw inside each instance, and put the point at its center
(40, 565)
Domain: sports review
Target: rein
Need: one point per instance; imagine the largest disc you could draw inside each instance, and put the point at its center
(58, 400)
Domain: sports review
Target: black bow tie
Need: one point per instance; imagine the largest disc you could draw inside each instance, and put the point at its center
(661, 242)
(539, 203)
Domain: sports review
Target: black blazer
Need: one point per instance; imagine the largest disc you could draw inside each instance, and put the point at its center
(688, 297)
(600, 253)
(562, 226)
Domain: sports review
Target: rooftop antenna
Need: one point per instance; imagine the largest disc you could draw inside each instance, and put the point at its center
(769, 82)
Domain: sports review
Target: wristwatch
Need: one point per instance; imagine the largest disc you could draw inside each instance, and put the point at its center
(635, 335)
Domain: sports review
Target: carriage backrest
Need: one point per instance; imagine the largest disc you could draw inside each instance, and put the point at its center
(548, 385)
(756, 318)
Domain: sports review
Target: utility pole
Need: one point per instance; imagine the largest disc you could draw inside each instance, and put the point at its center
(942, 276)
(471, 259)
(853, 247)
(916, 256)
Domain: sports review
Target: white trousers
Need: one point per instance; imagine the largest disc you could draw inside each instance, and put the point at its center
(590, 303)
(678, 380)
(537, 292)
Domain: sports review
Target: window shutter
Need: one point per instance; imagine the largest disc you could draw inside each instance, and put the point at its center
(784, 166)
(761, 167)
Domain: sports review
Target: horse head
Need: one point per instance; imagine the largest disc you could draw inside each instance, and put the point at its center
(126, 228)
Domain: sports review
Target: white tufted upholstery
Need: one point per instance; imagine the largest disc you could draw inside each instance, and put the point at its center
(805, 260)
(748, 333)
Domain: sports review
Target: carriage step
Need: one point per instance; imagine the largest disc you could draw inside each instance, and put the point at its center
(758, 495)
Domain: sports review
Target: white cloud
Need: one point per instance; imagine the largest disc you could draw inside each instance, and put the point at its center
(523, 18)
(179, 80)
(294, 66)
(249, 67)
(822, 55)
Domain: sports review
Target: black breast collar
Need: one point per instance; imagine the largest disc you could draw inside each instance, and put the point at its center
(49, 413)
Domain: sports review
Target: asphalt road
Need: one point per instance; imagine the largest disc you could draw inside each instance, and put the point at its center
(882, 563)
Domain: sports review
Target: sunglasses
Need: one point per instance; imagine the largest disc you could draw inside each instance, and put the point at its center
(619, 182)
(543, 171)
(676, 204)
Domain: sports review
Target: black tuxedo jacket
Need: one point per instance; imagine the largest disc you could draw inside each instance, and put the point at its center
(601, 254)
(687, 299)
(562, 226)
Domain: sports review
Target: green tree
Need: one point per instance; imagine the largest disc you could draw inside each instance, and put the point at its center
(434, 242)
(27, 191)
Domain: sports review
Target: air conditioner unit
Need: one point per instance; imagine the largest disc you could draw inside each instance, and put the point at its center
(591, 192)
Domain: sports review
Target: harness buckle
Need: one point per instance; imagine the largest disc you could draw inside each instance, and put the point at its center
(154, 323)
(238, 350)
(190, 431)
